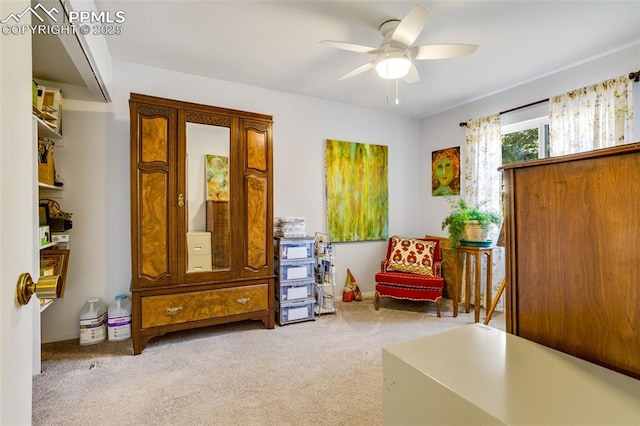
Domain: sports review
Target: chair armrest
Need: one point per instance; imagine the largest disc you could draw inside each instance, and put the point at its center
(438, 268)
(383, 265)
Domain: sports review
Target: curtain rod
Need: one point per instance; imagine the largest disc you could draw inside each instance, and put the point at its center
(464, 123)
(635, 76)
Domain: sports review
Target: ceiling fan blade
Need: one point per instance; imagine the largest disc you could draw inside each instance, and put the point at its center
(359, 70)
(412, 76)
(441, 51)
(349, 46)
(411, 25)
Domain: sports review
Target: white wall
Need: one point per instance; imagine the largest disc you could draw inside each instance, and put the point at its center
(95, 161)
(443, 130)
(82, 163)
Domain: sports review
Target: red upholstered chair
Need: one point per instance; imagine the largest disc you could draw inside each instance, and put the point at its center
(412, 270)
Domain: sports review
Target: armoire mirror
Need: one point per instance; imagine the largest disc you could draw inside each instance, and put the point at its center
(208, 193)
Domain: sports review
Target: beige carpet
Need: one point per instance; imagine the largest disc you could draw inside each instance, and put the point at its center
(323, 372)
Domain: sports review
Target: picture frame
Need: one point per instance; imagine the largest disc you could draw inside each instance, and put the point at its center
(43, 214)
(357, 191)
(59, 260)
(445, 172)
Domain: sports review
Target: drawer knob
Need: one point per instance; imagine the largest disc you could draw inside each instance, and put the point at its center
(243, 300)
(174, 311)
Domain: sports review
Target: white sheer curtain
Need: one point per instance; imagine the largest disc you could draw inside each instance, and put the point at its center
(596, 116)
(483, 156)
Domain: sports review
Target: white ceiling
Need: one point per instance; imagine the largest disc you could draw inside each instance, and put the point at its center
(274, 44)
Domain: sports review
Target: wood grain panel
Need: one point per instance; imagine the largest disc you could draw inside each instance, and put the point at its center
(256, 222)
(218, 224)
(576, 247)
(154, 256)
(154, 135)
(256, 150)
(201, 305)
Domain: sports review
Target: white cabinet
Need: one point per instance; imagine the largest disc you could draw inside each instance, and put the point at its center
(481, 375)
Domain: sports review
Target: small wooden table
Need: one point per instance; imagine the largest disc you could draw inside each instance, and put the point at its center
(464, 253)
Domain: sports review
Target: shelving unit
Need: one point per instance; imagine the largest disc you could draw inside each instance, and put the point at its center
(49, 245)
(50, 191)
(325, 281)
(46, 131)
(42, 129)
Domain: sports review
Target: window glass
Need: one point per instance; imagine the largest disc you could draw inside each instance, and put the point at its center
(526, 140)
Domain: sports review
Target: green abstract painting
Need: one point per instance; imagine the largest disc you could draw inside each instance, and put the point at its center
(357, 191)
(217, 171)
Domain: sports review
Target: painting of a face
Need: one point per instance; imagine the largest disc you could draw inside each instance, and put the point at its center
(445, 172)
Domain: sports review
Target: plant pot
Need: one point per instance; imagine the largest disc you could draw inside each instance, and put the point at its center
(473, 232)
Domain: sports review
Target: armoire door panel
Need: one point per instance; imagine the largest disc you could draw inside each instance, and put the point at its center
(153, 152)
(258, 207)
(154, 132)
(154, 226)
(207, 154)
(257, 149)
(257, 253)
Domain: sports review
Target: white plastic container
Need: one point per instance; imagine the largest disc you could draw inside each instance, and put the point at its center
(93, 322)
(119, 319)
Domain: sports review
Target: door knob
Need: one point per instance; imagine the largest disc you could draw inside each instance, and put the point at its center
(46, 288)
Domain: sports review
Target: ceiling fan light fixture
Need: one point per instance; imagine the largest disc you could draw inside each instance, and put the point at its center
(393, 65)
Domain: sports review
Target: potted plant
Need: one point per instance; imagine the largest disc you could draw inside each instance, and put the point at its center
(463, 216)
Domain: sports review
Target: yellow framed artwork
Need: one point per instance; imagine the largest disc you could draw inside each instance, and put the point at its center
(357, 191)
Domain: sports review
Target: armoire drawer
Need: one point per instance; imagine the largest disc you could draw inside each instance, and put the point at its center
(200, 305)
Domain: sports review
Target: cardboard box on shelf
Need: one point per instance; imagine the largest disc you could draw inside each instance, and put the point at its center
(44, 235)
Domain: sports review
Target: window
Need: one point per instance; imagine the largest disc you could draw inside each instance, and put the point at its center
(525, 140)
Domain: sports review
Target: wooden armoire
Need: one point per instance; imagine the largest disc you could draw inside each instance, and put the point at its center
(201, 217)
(573, 254)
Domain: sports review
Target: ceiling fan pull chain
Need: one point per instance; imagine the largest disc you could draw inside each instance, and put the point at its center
(387, 91)
(397, 98)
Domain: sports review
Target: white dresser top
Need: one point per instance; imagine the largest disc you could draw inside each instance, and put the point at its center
(518, 382)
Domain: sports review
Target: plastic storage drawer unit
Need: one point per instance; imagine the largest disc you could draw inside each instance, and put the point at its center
(291, 312)
(294, 290)
(294, 269)
(293, 248)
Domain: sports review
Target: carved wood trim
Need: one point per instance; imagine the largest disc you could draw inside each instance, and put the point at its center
(152, 110)
(258, 125)
(208, 119)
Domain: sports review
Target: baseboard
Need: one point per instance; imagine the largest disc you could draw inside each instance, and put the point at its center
(60, 337)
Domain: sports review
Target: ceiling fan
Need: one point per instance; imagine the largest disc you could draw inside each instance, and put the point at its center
(395, 56)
